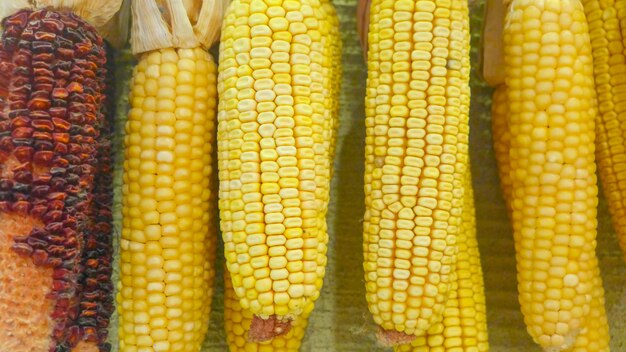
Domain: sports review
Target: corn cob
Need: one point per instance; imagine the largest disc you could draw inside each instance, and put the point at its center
(51, 114)
(238, 320)
(168, 245)
(416, 146)
(596, 336)
(275, 139)
(605, 18)
(554, 192)
(464, 325)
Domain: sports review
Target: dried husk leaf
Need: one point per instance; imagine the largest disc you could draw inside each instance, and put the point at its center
(96, 12)
(209, 23)
(182, 31)
(10, 7)
(491, 53)
(193, 9)
(208, 26)
(162, 4)
(148, 31)
(117, 30)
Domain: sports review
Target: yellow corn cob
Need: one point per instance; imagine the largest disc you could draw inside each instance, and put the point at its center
(168, 243)
(596, 336)
(554, 192)
(275, 137)
(608, 44)
(237, 323)
(416, 146)
(167, 246)
(464, 325)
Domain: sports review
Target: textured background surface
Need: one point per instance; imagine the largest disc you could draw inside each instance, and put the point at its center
(341, 321)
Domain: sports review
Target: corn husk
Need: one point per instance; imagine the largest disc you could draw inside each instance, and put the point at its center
(159, 24)
(149, 31)
(208, 26)
(193, 9)
(182, 30)
(117, 30)
(491, 53)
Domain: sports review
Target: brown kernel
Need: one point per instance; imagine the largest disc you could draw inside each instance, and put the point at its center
(45, 36)
(22, 132)
(61, 124)
(40, 257)
(20, 121)
(43, 157)
(61, 137)
(60, 93)
(52, 25)
(75, 87)
(23, 154)
(43, 136)
(39, 103)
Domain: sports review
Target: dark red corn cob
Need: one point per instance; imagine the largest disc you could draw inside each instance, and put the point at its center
(55, 180)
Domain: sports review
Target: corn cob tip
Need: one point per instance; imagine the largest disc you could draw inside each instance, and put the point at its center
(266, 329)
(389, 338)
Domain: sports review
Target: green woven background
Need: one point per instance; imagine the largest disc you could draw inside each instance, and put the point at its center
(341, 321)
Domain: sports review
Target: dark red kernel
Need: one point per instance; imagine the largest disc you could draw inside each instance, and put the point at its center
(40, 257)
(43, 157)
(75, 87)
(39, 103)
(22, 249)
(23, 154)
(60, 93)
(22, 132)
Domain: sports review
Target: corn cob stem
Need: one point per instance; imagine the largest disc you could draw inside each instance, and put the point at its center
(554, 192)
(596, 336)
(605, 18)
(168, 245)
